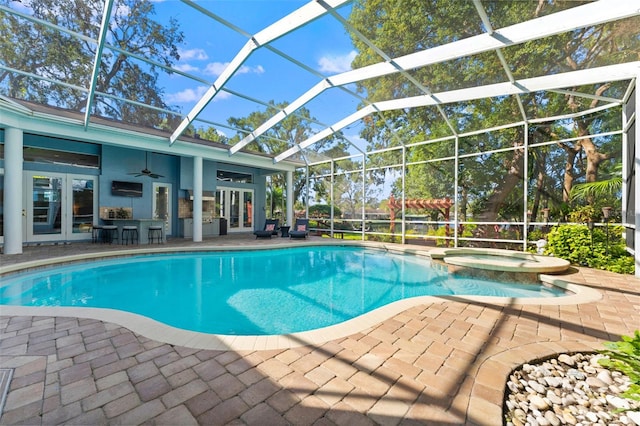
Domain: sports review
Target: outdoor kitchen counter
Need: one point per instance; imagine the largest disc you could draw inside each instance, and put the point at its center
(142, 225)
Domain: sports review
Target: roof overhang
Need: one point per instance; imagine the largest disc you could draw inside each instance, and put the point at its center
(69, 125)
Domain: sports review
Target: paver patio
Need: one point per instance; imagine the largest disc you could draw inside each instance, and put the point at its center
(442, 363)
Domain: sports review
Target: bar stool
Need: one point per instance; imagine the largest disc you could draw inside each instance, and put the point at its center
(109, 233)
(130, 232)
(155, 231)
(95, 233)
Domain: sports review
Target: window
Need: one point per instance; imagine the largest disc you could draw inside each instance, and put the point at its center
(239, 177)
(50, 156)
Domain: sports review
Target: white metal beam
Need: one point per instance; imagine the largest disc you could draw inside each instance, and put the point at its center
(104, 27)
(519, 87)
(294, 20)
(567, 20)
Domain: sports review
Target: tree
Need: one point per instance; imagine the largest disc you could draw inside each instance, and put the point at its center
(291, 131)
(608, 187)
(490, 182)
(55, 55)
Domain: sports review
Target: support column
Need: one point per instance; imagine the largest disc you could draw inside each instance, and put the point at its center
(633, 127)
(197, 199)
(13, 142)
(289, 177)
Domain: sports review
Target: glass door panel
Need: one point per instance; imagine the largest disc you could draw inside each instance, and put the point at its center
(247, 222)
(234, 213)
(162, 204)
(46, 213)
(83, 205)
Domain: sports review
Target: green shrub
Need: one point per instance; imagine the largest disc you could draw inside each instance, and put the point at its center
(578, 245)
(624, 356)
(324, 210)
(570, 242)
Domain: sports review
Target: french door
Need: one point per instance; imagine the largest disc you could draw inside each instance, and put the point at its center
(61, 206)
(236, 205)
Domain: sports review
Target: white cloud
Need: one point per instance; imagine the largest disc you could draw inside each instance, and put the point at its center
(216, 68)
(255, 70)
(187, 95)
(337, 63)
(121, 10)
(185, 67)
(191, 95)
(193, 54)
(221, 96)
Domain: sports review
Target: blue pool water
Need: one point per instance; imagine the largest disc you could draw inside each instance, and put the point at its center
(250, 292)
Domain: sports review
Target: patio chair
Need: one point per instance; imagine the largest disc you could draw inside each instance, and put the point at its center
(300, 229)
(270, 228)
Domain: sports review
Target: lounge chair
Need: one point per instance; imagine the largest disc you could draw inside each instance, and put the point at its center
(270, 228)
(300, 229)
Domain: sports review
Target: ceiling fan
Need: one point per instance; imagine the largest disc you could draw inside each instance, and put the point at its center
(146, 171)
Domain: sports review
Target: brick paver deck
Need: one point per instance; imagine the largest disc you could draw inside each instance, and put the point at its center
(443, 363)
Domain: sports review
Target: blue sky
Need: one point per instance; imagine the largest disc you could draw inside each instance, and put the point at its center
(322, 45)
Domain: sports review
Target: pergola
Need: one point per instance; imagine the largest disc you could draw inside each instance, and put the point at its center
(323, 92)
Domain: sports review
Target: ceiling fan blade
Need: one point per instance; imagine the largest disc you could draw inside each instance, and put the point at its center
(146, 171)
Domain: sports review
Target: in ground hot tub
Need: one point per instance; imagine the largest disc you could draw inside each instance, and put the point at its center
(508, 264)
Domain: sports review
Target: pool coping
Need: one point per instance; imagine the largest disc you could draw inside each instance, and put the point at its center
(156, 330)
(528, 262)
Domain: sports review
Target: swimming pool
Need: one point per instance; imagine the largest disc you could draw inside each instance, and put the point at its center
(261, 292)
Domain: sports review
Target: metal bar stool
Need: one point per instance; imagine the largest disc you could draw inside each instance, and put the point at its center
(130, 232)
(95, 233)
(155, 232)
(109, 233)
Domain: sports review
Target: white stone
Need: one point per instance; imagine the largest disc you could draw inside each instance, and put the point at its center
(618, 402)
(566, 359)
(552, 418)
(614, 389)
(537, 402)
(595, 402)
(554, 382)
(569, 400)
(625, 420)
(513, 387)
(593, 417)
(542, 421)
(634, 416)
(569, 418)
(536, 387)
(604, 416)
(595, 360)
(595, 383)
(553, 398)
(605, 377)
(576, 374)
(520, 415)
